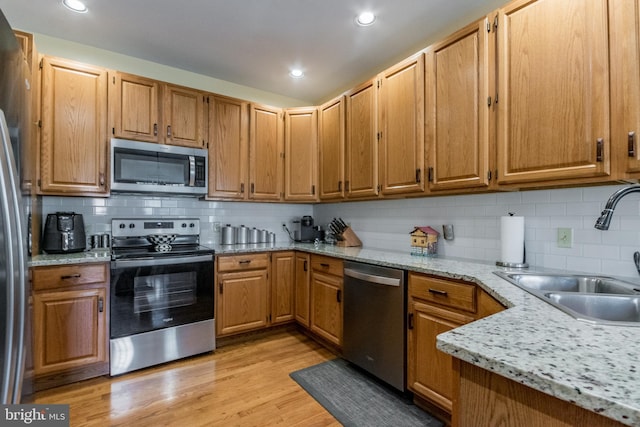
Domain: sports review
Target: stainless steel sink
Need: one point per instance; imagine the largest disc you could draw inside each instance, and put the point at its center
(594, 299)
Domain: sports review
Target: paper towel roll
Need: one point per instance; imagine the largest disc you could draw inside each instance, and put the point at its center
(512, 239)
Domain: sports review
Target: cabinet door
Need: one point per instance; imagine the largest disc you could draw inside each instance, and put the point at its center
(265, 153)
(300, 154)
(73, 144)
(457, 119)
(362, 141)
(70, 329)
(282, 287)
(302, 283)
(625, 83)
(331, 134)
(326, 306)
(402, 127)
(430, 371)
(134, 107)
(228, 147)
(242, 301)
(553, 89)
(183, 117)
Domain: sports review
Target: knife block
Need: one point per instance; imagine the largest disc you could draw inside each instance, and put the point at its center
(349, 239)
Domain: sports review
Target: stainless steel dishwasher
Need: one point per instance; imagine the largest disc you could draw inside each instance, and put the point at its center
(374, 333)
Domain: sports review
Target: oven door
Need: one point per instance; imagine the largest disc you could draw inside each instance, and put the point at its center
(150, 294)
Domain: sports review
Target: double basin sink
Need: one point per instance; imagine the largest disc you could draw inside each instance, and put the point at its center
(594, 299)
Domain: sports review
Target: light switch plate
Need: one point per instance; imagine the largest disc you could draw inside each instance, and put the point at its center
(565, 237)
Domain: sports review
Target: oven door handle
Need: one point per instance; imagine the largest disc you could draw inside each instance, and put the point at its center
(153, 262)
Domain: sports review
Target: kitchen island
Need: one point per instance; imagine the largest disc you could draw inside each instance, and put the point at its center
(532, 343)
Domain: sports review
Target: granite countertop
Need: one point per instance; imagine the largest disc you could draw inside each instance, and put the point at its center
(533, 343)
(94, 255)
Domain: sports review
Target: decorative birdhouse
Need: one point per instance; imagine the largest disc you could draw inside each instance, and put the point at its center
(424, 241)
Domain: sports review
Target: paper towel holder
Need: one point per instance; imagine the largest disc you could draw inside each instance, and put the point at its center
(515, 264)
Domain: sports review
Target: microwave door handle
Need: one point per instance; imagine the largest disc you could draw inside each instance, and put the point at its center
(192, 171)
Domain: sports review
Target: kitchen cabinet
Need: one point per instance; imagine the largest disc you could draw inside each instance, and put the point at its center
(302, 283)
(301, 154)
(331, 162)
(484, 397)
(435, 306)
(326, 298)
(401, 127)
(265, 153)
(242, 302)
(553, 95)
(72, 158)
(625, 84)
(362, 141)
(134, 107)
(283, 266)
(457, 128)
(228, 148)
(148, 110)
(70, 315)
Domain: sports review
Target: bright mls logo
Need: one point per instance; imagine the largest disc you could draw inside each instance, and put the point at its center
(35, 415)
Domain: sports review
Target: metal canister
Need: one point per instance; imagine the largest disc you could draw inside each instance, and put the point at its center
(272, 237)
(242, 235)
(228, 235)
(254, 235)
(263, 236)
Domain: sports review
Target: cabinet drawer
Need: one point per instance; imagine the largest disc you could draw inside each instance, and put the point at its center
(69, 275)
(327, 265)
(453, 294)
(242, 262)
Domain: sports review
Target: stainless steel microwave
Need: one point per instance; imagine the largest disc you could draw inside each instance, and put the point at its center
(143, 167)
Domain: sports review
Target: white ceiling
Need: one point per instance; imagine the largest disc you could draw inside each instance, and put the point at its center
(256, 42)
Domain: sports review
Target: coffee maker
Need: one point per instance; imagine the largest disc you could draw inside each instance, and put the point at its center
(305, 231)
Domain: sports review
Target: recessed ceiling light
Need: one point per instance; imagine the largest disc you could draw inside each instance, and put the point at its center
(75, 5)
(365, 19)
(296, 73)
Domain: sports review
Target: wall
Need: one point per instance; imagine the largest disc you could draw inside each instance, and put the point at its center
(98, 212)
(476, 220)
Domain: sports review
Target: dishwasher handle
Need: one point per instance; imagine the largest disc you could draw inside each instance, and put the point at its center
(372, 278)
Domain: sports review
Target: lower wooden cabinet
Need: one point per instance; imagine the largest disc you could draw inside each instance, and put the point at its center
(70, 323)
(302, 291)
(282, 287)
(326, 298)
(435, 306)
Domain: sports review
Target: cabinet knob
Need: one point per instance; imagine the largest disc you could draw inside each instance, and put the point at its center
(168, 131)
(631, 144)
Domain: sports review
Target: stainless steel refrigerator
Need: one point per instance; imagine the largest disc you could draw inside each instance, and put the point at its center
(14, 205)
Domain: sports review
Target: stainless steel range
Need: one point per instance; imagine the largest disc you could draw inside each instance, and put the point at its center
(162, 292)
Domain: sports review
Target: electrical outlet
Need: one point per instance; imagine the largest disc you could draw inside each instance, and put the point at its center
(216, 227)
(565, 237)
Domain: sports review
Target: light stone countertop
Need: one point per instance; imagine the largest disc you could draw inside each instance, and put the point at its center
(593, 366)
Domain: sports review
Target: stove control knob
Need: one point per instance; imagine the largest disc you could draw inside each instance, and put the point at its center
(132, 225)
(192, 225)
(184, 225)
(122, 226)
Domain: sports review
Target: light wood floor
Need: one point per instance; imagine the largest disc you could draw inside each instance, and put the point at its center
(241, 384)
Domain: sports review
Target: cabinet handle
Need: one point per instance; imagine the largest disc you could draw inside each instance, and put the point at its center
(324, 265)
(245, 261)
(101, 179)
(100, 304)
(71, 276)
(169, 131)
(253, 188)
(599, 150)
(438, 292)
(339, 185)
(430, 177)
(631, 144)
(418, 175)
(313, 190)
(410, 321)
(339, 295)
(242, 187)
(155, 129)
(305, 265)
(220, 287)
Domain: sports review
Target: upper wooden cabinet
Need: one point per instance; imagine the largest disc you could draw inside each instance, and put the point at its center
(148, 110)
(553, 91)
(457, 114)
(134, 111)
(73, 142)
(301, 154)
(362, 141)
(401, 127)
(265, 153)
(228, 148)
(624, 42)
(331, 134)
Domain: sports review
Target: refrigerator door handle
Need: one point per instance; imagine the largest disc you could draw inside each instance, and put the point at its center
(11, 210)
